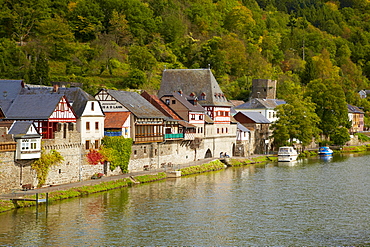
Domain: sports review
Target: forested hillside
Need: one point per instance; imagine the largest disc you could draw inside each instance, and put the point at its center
(127, 43)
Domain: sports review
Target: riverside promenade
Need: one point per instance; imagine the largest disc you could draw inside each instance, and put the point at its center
(90, 182)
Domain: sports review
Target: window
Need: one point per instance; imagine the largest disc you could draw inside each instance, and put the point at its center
(226, 113)
(192, 116)
(226, 130)
(96, 125)
(96, 144)
(200, 117)
(87, 125)
(87, 145)
(218, 130)
(269, 114)
(92, 106)
(173, 102)
(167, 101)
(144, 150)
(135, 152)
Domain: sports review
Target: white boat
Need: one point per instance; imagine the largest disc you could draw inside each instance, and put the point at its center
(287, 154)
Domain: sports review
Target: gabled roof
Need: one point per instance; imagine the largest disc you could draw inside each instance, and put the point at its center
(261, 104)
(21, 128)
(160, 105)
(236, 102)
(197, 81)
(242, 128)
(136, 104)
(11, 87)
(186, 124)
(77, 97)
(33, 106)
(115, 120)
(255, 117)
(354, 109)
(184, 101)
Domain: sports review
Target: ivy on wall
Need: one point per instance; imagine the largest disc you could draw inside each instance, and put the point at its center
(117, 151)
(43, 164)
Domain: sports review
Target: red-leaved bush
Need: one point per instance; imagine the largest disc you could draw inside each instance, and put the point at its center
(94, 157)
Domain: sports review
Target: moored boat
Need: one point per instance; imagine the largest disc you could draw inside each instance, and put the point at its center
(287, 154)
(325, 151)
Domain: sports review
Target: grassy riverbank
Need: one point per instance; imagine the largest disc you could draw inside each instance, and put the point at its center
(251, 161)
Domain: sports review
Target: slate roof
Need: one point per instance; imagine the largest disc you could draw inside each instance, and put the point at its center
(255, 117)
(115, 120)
(261, 104)
(33, 106)
(183, 100)
(12, 88)
(354, 109)
(20, 128)
(136, 104)
(242, 128)
(195, 81)
(76, 97)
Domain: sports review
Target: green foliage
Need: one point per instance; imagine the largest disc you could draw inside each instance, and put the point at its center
(117, 151)
(331, 106)
(151, 177)
(43, 164)
(212, 166)
(363, 137)
(340, 136)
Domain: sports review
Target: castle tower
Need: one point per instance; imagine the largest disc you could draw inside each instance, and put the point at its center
(263, 89)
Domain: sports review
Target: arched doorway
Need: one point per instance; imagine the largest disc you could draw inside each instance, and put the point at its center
(208, 154)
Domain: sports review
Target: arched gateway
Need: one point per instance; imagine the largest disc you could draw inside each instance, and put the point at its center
(208, 154)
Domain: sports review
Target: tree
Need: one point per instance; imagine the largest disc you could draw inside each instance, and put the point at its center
(56, 37)
(331, 105)
(297, 120)
(141, 58)
(340, 136)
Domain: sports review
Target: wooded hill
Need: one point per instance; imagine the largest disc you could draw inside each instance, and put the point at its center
(127, 43)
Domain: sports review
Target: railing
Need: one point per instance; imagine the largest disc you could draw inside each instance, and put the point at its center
(174, 136)
(113, 133)
(8, 146)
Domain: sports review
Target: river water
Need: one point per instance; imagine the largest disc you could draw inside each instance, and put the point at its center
(311, 202)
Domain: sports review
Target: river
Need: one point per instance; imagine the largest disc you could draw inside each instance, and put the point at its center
(312, 202)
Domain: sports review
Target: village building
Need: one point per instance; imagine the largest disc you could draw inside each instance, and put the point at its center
(259, 127)
(356, 117)
(28, 140)
(200, 86)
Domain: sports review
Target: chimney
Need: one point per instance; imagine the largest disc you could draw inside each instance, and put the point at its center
(55, 88)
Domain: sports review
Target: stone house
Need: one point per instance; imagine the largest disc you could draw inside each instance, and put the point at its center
(259, 126)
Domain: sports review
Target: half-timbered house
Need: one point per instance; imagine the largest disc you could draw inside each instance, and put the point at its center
(147, 121)
(45, 110)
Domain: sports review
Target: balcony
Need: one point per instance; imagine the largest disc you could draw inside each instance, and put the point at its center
(113, 133)
(174, 136)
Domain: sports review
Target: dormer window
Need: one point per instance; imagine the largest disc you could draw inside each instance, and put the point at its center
(192, 95)
(180, 92)
(202, 96)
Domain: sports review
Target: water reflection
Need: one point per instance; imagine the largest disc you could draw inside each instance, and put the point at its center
(314, 202)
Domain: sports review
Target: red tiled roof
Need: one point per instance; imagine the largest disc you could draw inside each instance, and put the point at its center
(115, 119)
(160, 105)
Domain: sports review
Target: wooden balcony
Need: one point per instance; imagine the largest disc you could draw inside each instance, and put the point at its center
(148, 138)
(8, 146)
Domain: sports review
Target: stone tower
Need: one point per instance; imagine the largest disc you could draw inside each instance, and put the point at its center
(263, 89)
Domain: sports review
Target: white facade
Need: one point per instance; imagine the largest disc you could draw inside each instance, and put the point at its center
(91, 125)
